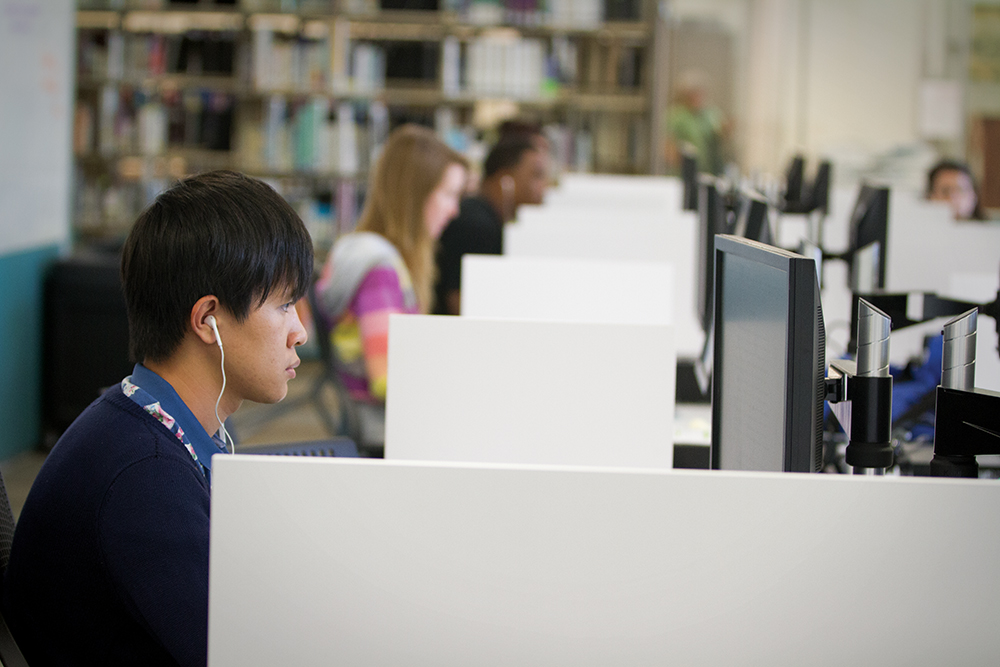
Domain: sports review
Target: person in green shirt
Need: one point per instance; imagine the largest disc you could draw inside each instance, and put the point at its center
(694, 126)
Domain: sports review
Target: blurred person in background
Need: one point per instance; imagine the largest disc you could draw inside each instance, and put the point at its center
(386, 266)
(952, 182)
(516, 172)
(695, 126)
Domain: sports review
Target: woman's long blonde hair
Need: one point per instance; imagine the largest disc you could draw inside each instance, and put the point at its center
(411, 166)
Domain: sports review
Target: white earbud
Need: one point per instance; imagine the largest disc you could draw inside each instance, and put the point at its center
(210, 321)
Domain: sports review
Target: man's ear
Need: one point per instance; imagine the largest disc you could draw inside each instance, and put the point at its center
(203, 307)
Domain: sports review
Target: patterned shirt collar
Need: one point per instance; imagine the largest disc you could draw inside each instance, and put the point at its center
(204, 445)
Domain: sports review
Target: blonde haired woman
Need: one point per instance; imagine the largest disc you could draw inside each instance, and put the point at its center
(387, 265)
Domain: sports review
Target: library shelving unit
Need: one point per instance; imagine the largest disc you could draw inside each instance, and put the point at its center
(303, 92)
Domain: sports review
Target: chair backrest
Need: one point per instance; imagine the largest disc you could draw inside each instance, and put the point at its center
(10, 654)
(350, 418)
(6, 527)
(332, 447)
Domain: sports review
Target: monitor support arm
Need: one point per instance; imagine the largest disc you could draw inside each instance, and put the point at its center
(900, 306)
(966, 419)
(860, 395)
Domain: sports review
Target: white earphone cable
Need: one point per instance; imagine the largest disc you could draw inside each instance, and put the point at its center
(222, 427)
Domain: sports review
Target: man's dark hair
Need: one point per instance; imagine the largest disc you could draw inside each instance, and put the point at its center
(519, 128)
(506, 154)
(219, 233)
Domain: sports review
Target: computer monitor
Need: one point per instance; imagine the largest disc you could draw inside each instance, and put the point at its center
(819, 192)
(770, 360)
(751, 217)
(713, 218)
(794, 180)
(867, 246)
(689, 176)
(810, 197)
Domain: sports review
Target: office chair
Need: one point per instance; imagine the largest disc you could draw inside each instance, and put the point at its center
(10, 654)
(352, 421)
(339, 446)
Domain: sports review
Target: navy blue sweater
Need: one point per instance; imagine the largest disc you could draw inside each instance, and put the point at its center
(109, 563)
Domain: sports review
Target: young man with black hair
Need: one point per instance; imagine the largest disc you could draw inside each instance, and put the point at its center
(515, 173)
(109, 563)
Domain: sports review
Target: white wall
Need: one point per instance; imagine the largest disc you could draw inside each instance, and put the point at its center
(830, 77)
(36, 80)
(864, 61)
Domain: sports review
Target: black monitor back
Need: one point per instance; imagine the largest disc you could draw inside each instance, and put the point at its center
(689, 176)
(819, 193)
(769, 361)
(794, 179)
(869, 224)
(752, 217)
(713, 218)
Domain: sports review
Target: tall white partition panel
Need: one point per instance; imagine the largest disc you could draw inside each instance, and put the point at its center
(507, 391)
(606, 214)
(600, 188)
(560, 289)
(372, 563)
(582, 183)
(624, 239)
(925, 245)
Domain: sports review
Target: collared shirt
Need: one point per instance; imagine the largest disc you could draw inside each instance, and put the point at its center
(159, 399)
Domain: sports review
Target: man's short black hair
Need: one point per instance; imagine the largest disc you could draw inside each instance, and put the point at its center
(219, 233)
(506, 154)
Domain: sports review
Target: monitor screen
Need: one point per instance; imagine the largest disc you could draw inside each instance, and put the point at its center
(770, 359)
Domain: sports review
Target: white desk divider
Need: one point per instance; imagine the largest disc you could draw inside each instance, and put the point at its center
(371, 563)
(602, 213)
(584, 180)
(611, 185)
(573, 290)
(926, 245)
(624, 239)
(508, 391)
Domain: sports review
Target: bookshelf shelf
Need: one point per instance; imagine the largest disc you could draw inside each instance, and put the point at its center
(305, 97)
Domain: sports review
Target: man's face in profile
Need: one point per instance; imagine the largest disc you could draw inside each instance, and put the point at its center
(531, 177)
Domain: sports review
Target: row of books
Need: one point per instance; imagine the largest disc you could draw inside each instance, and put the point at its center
(505, 67)
(558, 13)
(322, 65)
(492, 64)
(315, 134)
(126, 120)
(115, 55)
(108, 209)
(305, 6)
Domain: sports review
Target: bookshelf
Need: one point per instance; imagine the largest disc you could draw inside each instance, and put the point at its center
(303, 92)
